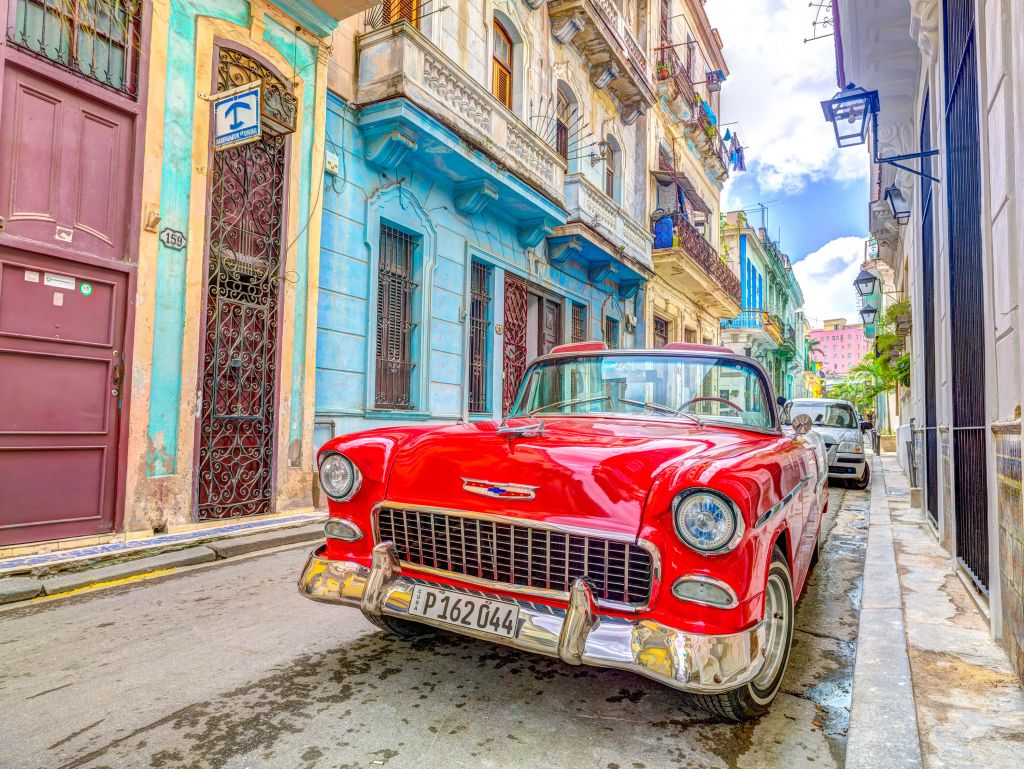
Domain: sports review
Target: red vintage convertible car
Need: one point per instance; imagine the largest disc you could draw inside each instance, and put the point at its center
(640, 509)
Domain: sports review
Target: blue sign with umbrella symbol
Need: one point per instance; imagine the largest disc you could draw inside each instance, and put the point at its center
(237, 116)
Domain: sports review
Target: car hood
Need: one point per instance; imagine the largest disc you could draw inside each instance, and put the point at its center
(587, 472)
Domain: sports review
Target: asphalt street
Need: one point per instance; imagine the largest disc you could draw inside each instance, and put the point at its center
(227, 666)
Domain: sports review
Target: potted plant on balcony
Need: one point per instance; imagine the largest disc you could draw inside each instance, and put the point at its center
(663, 71)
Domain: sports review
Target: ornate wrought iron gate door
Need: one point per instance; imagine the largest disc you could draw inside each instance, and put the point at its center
(515, 340)
(239, 363)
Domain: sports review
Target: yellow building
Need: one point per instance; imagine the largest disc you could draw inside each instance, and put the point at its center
(694, 286)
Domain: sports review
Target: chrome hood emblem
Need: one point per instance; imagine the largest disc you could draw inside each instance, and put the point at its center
(516, 491)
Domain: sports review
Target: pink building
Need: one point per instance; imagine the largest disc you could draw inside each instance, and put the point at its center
(840, 346)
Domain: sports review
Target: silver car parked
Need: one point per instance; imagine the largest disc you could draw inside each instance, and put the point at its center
(837, 423)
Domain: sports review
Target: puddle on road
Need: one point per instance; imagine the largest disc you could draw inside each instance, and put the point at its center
(448, 701)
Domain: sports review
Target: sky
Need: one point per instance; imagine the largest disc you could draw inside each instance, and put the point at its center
(816, 194)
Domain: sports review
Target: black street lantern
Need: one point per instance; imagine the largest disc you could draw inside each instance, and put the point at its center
(865, 283)
(850, 112)
(898, 205)
(869, 315)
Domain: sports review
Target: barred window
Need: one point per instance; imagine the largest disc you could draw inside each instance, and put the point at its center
(100, 39)
(660, 332)
(611, 332)
(479, 323)
(395, 327)
(579, 322)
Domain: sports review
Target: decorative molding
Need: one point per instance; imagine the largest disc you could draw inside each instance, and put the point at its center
(632, 112)
(561, 253)
(388, 150)
(534, 4)
(629, 288)
(525, 149)
(924, 26)
(602, 74)
(598, 272)
(472, 197)
(565, 30)
(532, 233)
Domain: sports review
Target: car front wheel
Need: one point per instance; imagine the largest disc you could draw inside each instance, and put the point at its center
(864, 480)
(753, 699)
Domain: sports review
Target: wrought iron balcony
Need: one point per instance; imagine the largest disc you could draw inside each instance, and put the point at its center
(397, 60)
(697, 263)
(758, 320)
(676, 85)
(617, 60)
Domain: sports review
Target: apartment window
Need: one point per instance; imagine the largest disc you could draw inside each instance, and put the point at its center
(479, 324)
(501, 85)
(660, 332)
(390, 11)
(395, 287)
(562, 126)
(611, 332)
(690, 335)
(579, 322)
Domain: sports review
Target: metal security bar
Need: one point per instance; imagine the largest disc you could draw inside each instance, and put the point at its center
(100, 39)
(479, 323)
(517, 555)
(395, 328)
(579, 322)
(963, 179)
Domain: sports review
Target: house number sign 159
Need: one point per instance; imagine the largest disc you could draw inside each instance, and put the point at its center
(173, 238)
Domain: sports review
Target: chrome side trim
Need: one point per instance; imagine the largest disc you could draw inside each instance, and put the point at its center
(778, 506)
(692, 662)
(734, 600)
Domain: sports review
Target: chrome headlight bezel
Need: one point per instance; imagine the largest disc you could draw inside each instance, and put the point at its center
(354, 485)
(739, 526)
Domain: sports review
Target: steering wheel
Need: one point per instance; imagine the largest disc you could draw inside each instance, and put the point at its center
(728, 403)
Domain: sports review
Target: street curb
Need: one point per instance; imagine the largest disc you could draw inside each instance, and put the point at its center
(883, 718)
(21, 588)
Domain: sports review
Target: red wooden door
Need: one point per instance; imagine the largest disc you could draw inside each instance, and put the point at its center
(61, 347)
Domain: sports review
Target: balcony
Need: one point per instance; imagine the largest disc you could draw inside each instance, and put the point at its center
(709, 142)
(598, 230)
(695, 265)
(765, 328)
(490, 155)
(617, 60)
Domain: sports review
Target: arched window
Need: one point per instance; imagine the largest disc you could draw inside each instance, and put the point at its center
(613, 169)
(501, 80)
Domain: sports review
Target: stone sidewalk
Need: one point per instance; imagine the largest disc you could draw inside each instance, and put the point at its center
(932, 688)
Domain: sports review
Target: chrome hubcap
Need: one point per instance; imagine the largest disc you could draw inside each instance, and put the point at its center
(776, 623)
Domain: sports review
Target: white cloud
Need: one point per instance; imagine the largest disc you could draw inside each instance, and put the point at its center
(774, 90)
(826, 277)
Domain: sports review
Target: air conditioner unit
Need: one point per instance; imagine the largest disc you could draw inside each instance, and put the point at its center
(629, 321)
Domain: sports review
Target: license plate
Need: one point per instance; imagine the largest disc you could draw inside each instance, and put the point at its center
(463, 611)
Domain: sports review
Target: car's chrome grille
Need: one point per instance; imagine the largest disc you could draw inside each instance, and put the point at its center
(517, 555)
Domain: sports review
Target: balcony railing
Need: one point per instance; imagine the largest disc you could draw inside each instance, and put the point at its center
(671, 72)
(617, 59)
(758, 319)
(398, 60)
(589, 204)
(687, 237)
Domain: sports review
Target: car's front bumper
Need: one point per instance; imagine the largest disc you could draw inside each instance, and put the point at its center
(847, 466)
(692, 662)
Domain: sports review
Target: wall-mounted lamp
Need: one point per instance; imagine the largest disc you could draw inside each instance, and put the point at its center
(869, 315)
(849, 112)
(898, 204)
(865, 283)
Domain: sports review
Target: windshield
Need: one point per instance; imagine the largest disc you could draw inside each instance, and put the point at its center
(686, 388)
(821, 414)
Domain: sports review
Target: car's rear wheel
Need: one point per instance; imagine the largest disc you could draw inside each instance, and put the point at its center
(402, 628)
(752, 699)
(864, 480)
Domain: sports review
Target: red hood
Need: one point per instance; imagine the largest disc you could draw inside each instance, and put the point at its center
(589, 472)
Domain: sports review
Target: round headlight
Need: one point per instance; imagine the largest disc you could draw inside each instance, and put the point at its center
(707, 522)
(338, 477)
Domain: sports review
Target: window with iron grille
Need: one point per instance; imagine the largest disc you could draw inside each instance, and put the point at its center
(395, 287)
(100, 39)
(660, 332)
(611, 332)
(479, 324)
(579, 322)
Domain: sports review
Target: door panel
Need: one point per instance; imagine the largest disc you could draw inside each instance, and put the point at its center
(70, 171)
(61, 345)
(551, 326)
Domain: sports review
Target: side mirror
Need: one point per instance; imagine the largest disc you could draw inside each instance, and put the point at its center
(801, 424)
(865, 426)
(781, 400)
